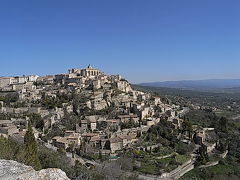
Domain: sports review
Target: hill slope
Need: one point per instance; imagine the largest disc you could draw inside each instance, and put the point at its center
(210, 84)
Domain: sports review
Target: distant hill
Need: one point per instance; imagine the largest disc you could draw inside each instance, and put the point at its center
(202, 85)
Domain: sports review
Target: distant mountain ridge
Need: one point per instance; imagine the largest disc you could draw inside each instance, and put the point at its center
(209, 84)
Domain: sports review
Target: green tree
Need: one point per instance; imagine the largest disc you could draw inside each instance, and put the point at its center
(11, 150)
(223, 124)
(31, 149)
(100, 156)
(187, 127)
(6, 148)
(203, 156)
(36, 120)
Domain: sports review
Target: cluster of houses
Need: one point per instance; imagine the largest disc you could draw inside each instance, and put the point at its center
(132, 112)
(95, 141)
(16, 128)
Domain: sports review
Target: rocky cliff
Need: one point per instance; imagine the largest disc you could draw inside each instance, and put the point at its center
(12, 170)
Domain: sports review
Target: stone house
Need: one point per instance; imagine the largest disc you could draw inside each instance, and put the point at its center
(60, 142)
(7, 110)
(49, 79)
(73, 138)
(34, 110)
(145, 112)
(84, 125)
(152, 121)
(128, 117)
(95, 142)
(177, 122)
(113, 123)
(165, 108)
(59, 113)
(126, 140)
(207, 137)
(44, 112)
(90, 123)
(20, 110)
(68, 107)
(69, 133)
(116, 144)
(96, 84)
(210, 146)
(8, 128)
(60, 78)
(99, 104)
(5, 81)
(107, 86)
(27, 86)
(157, 100)
(88, 136)
(137, 107)
(93, 124)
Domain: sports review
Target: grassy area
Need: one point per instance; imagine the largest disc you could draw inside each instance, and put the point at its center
(170, 167)
(213, 172)
(98, 157)
(166, 161)
(151, 165)
(153, 155)
(173, 162)
(214, 158)
(181, 158)
(148, 168)
(222, 169)
(237, 124)
(163, 151)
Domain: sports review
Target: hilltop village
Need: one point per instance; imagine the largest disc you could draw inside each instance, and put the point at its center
(92, 116)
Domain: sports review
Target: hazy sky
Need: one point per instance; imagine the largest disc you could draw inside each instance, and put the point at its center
(143, 40)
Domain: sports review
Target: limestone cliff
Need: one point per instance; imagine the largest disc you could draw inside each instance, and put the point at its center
(12, 170)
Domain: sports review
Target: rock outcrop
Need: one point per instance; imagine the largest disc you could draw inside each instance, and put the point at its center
(12, 170)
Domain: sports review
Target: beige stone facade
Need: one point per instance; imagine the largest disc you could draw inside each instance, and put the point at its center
(90, 71)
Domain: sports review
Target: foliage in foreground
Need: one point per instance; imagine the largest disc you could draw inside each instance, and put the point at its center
(31, 149)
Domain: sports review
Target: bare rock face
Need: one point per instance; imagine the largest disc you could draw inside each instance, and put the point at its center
(12, 170)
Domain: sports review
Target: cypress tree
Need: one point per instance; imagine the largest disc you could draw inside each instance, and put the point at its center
(100, 155)
(31, 149)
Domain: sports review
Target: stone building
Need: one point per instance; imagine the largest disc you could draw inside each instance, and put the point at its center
(5, 81)
(208, 138)
(87, 72)
(60, 142)
(74, 71)
(116, 144)
(90, 71)
(7, 127)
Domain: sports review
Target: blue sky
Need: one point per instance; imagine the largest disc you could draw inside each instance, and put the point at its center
(143, 40)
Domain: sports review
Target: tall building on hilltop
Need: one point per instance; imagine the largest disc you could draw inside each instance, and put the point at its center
(89, 71)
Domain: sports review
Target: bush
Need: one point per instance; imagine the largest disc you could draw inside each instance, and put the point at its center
(181, 148)
(11, 150)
